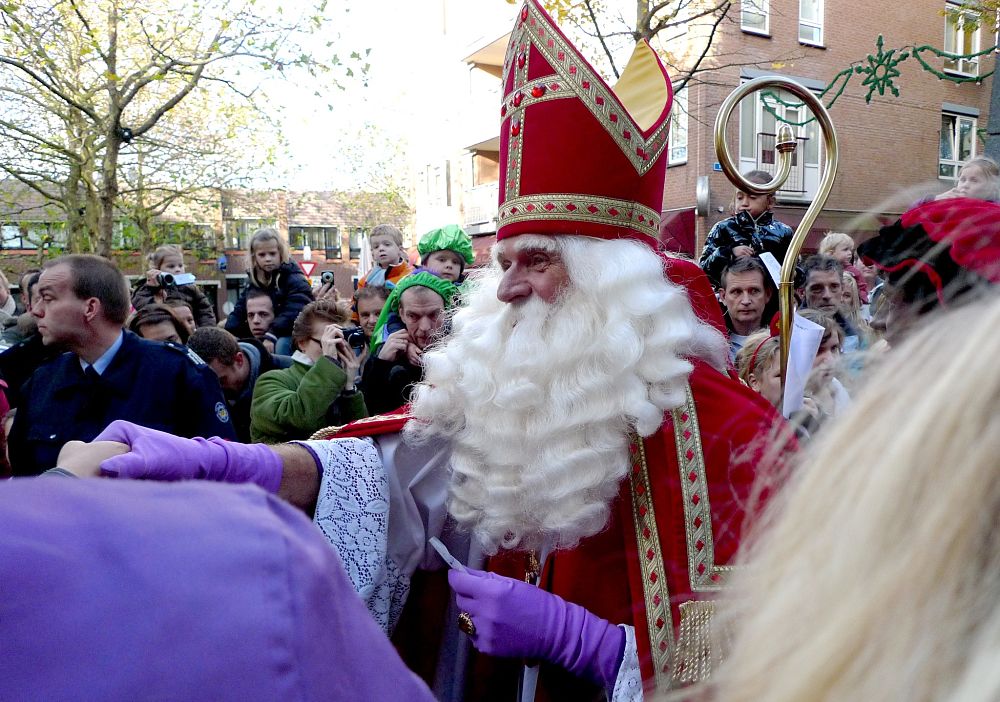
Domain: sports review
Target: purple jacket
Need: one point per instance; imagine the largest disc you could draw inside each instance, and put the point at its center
(125, 590)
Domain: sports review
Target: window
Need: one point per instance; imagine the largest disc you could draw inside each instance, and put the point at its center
(760, 116)
(355, 241)
(31, 235)
(317, 238)
(961, 36)
(754, 16)
(239, 231)
(678, 129)
(811, 22)
(958, 144)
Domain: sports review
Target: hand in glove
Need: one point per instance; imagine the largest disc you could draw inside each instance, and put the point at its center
(156, 455)
(513, 618)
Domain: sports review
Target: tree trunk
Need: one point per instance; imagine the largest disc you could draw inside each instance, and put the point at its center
(74, 210)
(108, 195)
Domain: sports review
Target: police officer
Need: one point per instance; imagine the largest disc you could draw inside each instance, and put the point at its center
(108, 374)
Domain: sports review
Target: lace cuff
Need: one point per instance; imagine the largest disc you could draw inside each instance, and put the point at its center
(352, 511)
(628, 684)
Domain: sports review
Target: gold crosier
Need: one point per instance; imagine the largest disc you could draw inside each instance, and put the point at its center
(785, 146)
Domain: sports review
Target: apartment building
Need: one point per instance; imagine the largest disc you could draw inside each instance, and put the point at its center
(892, 150)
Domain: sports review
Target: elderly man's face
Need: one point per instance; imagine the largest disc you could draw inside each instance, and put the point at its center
(422, 311)
(529, 271)
(823, 291)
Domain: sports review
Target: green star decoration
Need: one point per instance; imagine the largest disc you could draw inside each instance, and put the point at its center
(881, 69)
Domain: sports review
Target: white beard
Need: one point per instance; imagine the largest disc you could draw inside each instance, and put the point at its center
(539, 399)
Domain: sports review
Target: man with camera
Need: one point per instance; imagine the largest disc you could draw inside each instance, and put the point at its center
(413, 317)
(319, 389)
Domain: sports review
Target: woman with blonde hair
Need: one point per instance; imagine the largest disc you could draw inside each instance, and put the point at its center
(875, 575)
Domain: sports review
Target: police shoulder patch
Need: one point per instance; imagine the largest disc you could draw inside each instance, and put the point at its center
(221, 412)
(191, 355)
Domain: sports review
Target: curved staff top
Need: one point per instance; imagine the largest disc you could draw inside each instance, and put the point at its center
(785, 147)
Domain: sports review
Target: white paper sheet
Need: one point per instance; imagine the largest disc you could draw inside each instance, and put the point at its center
(772, 265)
(806, 338)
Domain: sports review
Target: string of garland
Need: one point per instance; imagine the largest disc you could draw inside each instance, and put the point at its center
(879, 70)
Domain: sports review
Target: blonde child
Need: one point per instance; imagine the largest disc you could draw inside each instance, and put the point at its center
(273, 272)
(842, 247)
(391, 264)
(170, 259)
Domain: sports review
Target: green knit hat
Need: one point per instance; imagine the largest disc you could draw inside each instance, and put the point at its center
(425, 279)
(450, 237)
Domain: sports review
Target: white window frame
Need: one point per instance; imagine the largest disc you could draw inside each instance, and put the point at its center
(753, 106)
(956, 163)
(677, 139)
(756, 7)
(962, 67)
(812, 24)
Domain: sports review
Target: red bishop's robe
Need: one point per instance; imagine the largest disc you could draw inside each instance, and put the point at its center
(631, 574)
(695, 485)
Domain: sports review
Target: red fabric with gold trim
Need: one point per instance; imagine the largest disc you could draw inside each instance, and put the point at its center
(373, 426)
(573, 159)
(603, 573)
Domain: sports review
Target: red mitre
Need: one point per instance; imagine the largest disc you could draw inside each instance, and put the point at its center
(576, 155)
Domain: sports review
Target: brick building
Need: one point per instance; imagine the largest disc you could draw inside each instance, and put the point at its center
(892, 151)
(216, 230)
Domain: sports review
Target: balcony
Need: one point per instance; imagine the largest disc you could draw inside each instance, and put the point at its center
(795, 185)
(481, 208)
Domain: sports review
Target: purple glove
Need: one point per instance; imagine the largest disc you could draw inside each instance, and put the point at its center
(156, 455)
(513, 618)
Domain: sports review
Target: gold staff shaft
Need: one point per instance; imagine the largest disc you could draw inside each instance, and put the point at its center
(785, 146)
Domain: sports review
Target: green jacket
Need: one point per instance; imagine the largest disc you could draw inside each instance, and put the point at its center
(292, 403)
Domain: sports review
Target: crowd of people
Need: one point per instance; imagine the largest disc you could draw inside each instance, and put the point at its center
(288, 361)
(564, 474)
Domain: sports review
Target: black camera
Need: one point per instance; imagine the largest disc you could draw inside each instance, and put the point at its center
(326, 277)
(355, 338)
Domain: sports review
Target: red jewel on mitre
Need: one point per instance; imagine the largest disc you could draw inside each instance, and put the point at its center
(576, 155)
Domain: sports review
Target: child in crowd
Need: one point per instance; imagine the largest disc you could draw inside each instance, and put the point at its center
(841, 247)
(446, 252)
(391, 264)
(751, 231)
(170, 259)
(273, 272)
(979, 179)
(758, 363)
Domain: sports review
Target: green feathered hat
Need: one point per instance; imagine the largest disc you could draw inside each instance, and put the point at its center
(450, 237)
(445, 288)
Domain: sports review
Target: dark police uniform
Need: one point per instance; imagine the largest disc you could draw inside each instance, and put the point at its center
(153, 384)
